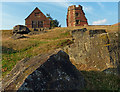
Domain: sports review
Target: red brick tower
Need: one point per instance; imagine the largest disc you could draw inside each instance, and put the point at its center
(76, 16)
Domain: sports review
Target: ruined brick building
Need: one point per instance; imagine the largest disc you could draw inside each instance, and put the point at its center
(76, 16)
(37, 20)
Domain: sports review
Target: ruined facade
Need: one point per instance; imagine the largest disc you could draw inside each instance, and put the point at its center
(37, 20)
(76, 16)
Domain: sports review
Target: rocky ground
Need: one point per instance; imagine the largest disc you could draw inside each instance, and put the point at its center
(88, 59)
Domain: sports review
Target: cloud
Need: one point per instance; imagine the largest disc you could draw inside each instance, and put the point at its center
(88, 9)
(99, 22)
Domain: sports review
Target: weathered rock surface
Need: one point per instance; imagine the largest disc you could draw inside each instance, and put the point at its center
(22, 69)
(94, 32)
(18, 32)
(94, 49)
(90, 51)
(20, 29)
(18, 36)
(36, 32)
(57, 73)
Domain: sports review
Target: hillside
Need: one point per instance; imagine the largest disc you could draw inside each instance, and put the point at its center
(15, 50)
(117, 24)
(29, 53)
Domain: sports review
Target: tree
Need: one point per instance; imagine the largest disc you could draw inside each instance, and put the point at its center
(48, 16)
(53, 23)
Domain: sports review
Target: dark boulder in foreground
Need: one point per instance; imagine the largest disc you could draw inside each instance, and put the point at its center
(57, 73)
(20, 29)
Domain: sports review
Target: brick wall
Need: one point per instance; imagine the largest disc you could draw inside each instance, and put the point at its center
(76, 16)
(35, 18)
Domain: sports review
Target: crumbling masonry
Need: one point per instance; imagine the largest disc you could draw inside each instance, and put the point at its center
(76, 16)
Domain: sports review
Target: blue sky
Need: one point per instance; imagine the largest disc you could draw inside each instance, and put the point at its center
(97, 13)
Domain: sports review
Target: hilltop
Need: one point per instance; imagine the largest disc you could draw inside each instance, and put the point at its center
(15, 50)
(117, 24)
(27, 54)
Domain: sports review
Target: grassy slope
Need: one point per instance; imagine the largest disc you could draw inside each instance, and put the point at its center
(15, 50)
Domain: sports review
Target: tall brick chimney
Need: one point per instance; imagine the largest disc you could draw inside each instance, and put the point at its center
(76, 16)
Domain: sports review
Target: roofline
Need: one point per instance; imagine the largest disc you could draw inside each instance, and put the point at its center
(34, 10)
(31, 13)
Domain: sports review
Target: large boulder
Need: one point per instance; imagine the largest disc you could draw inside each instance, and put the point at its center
(20, 29)
(94, 50)
(57, 73)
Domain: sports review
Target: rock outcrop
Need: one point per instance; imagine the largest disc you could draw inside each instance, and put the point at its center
(90, 51)
(94, 49)
(20, 29)
(22, 69)
(18, 36)
(57, 73)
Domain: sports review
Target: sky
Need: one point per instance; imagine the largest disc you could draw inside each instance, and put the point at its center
(97, 13)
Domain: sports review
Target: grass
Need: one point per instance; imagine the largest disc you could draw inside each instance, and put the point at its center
(15, 50)
(97, 80)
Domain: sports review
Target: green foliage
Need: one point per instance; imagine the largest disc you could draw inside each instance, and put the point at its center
(48, 16)
(53, 23)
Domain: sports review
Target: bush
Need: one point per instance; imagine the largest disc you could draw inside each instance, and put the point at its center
(53, 23)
